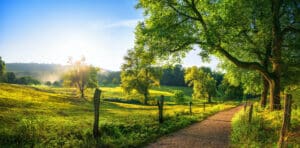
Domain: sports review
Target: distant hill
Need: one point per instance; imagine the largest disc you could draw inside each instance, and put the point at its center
(42, 72)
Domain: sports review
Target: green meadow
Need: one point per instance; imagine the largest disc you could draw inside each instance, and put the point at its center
(41, 116)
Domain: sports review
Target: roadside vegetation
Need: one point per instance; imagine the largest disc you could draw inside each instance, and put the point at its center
(264, 129)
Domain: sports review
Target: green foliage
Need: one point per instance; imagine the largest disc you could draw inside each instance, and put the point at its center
(204, 85)
(264, 129)
(10, 77)
(2, 68)
(27, 80)
(173, 76)
(179, 97)
(110, 77)
(251, 81)
(53, 117)
(246, 33)
(227, 91)
(138, 72)
(57, 84)
(48, 83)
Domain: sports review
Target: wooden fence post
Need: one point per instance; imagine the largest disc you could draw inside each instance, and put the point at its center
(97, 95)
(286, 120)
(204, 106)
(190, 107)
(250, 113)
(245, 106)
(160, 104)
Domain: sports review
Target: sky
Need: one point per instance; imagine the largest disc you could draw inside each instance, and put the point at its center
(51, 31)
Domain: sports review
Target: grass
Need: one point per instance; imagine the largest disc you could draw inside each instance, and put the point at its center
(55, 117)
(265, 127)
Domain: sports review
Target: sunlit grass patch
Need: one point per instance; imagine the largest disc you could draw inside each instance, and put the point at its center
(264, 129)
(55, 117)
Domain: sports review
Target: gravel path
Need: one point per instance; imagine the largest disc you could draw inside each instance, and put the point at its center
(213, 132)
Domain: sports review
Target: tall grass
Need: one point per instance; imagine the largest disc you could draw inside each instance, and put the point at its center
(264, 129)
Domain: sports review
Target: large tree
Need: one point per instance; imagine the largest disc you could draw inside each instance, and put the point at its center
(247, 33)
(204, 85)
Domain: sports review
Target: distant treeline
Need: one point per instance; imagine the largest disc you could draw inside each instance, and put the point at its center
(171, 76)
(10, 77)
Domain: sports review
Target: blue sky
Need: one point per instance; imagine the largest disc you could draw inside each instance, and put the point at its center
(50, 31)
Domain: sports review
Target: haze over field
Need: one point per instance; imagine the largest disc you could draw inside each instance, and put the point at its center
(51, 31)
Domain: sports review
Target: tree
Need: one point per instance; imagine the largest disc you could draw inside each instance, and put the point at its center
(247, 33)
(27, 80)
(250, 81)
(138, 72)
(2, 68)
(173, 76)
(10, 77)
(110, 77)
(204, 85)
(57, 83)
(81, 76)
(48, 83)
(226, 91)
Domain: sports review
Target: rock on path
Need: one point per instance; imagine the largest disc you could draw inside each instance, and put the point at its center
(213, 132)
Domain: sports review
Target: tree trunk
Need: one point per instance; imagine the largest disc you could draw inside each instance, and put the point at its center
(264, 93)
(286, 120)
(82, 93)
(160, 109)
(146, 98)
(209, 99)
(275, 94)
(276, 56)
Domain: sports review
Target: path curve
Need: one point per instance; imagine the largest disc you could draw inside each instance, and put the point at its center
(213, 132)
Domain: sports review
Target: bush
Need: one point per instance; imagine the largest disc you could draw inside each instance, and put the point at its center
(27, 81)
(179, 97)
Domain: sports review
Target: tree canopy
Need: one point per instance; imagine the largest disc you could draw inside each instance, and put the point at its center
(247, 33)
(204, 85)
(81, 76)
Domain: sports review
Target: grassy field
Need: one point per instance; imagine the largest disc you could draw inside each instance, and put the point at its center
(55, 117)
(265, 126)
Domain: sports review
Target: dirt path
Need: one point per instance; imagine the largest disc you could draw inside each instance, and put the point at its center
(212, 132)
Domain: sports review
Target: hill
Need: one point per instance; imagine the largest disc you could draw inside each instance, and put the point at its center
(41, 72)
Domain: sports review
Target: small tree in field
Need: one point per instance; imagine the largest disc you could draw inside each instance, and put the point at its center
(81, 76)
(138, 72)
(204, 85)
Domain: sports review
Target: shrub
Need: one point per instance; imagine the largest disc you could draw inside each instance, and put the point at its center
(179, 97)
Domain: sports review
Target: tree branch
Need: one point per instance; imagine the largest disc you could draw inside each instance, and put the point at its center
(289, 29)
(200, 18)
(242, 64)
(177, 24)
(181, 13)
